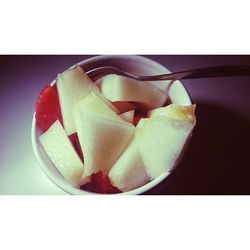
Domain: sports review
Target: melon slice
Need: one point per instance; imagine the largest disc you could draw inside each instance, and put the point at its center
(97, 92)
(129, 171)
(73, 85)
(128, 116)
(102, 133)
(120, 88)
(61, 152)
(161, 140)
(93, 103)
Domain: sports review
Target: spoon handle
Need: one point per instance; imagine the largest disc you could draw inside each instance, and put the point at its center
(208, 72)
(219, 71)
(215, 71)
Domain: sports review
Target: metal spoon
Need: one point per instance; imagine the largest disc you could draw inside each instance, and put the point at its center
(215, 71)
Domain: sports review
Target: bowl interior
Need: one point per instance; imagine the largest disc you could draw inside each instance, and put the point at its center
(134, 64)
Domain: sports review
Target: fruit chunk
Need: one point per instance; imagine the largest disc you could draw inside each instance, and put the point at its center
(47, 108)
(161, 140)
(60, 151)
(73, 85)
(120, 88)
(128, 116)
(97, 92)
(102, 133)
(129, 171)
(95, 104)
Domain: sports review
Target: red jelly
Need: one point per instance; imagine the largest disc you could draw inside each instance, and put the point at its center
(137, 118)
(48, 108)
(75, 142)
(100, 184)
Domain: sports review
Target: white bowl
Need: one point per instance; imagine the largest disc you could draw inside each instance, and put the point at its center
(134, 64)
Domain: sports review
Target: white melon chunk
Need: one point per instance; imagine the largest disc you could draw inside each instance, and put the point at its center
(129, 171)
(103, 135)
(95, 104)
(97, 92)
(128, 116)
(61, 152)
(161, 140)
(73, 85)
(120, 88)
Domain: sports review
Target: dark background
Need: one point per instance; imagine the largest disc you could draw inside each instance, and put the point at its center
(217, 161)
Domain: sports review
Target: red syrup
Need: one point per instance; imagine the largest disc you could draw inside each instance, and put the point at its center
(137, 117)
(100, 184)
(48, 108)
(76, 144)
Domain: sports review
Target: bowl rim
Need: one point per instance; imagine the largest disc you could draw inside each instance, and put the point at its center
(61, 183)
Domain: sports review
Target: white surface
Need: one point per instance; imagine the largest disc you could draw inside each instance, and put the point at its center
(159, 222)
(160, 27)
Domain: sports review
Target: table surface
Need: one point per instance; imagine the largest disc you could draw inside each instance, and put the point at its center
(217, 161)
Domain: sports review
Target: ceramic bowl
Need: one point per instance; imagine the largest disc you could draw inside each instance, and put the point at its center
(134, 64)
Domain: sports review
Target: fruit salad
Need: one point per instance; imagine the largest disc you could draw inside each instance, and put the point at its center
(113, 135)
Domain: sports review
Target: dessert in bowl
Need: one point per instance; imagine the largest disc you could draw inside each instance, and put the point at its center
(115, 135)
